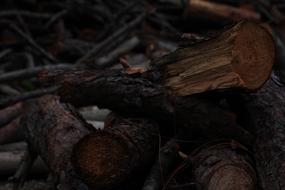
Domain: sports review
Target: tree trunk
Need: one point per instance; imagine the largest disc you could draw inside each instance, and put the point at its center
(105, 159)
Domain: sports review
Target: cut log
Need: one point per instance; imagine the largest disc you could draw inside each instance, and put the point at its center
(241, 57)
(52, 129)
(105, 159)
(218, 12)
(264, 114)
(223, 166)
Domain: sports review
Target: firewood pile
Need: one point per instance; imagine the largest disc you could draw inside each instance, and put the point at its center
(149, 95)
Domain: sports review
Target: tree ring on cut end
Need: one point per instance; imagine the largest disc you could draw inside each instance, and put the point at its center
(101, 159)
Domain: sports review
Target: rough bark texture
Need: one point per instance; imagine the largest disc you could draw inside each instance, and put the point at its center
(105, 159)
(223, 166)
(265, 113)
(141, 94)
(52, 129)
(241, 57)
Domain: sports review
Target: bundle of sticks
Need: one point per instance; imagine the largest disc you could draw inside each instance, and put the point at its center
(208, 115)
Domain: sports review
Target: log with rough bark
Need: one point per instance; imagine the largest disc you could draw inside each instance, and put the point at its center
(219, 12)
(241, 57)
(223, 166)
(263, 112)
(105, 159)
(141, 94)
(52, 129)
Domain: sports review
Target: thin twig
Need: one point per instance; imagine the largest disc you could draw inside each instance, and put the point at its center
(27, 95)
(55, 18)
(29, 60)
(30, 72)
(25, 13)
(32, 42)
(117, 18)
(8, 90)
(112, 56)
(123, 30)
(5, 52)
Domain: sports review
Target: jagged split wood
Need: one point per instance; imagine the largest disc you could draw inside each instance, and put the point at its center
(223, 166)
(105, 159)
(218, 12)
(241, 57)
(264, 113)
(52, 129)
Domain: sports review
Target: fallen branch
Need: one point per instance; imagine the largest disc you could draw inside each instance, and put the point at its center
(27, 95)
(30, 72)
(225, 62)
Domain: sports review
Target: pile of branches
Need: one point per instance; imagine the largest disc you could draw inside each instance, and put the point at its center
(195, 89)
